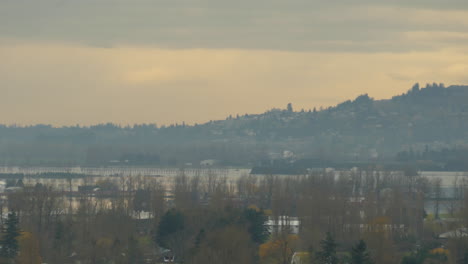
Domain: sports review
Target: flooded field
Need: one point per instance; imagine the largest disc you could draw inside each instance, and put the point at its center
(118, 175)
(126, 171)
(90, 176)
(165, 175)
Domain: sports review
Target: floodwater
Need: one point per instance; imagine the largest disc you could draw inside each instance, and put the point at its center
(115, 174)
(165, 175)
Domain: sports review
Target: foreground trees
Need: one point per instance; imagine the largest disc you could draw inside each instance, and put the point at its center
(10, 236)
(30, 252)
(360, 254)
(213, 219)
(279, 250)
(230, 245)
(327, 254)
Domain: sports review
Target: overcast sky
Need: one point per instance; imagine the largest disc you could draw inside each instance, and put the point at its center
(65, 62)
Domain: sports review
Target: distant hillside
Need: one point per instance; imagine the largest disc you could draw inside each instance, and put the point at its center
(432, 117)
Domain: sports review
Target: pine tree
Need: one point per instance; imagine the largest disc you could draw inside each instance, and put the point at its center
(359, 254)
(9, 241)
(257, 228)
(171, 222)
(328, 253)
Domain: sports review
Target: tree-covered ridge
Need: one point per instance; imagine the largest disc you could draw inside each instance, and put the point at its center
(363, 128)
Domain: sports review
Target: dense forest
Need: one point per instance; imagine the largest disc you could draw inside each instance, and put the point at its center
(363, 129)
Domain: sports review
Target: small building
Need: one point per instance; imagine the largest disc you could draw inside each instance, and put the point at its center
(457, 233)
(283, 223)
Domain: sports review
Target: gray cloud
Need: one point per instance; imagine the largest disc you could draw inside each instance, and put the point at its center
(363, 25)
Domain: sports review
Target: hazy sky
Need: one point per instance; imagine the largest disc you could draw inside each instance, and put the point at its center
(65, 62)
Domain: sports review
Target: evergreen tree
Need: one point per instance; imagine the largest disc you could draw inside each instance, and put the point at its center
(171, 222)
(257, 228)
(328, 253)
(359, 254)
(9, 241)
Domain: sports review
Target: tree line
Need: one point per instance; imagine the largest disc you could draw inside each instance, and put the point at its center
(365, 216)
